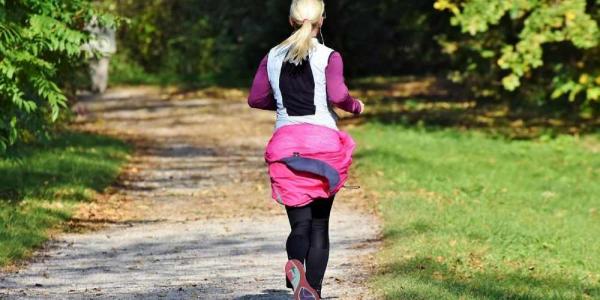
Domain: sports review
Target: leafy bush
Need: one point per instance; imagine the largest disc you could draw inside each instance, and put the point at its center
(40, 42)
(544, 49)
(205, 41)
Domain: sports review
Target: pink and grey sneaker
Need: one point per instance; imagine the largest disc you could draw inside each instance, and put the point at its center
(294, 271)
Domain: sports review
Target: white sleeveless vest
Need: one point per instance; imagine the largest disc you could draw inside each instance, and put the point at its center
(287, 111)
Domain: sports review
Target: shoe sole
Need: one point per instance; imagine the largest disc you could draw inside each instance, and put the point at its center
(294, 271)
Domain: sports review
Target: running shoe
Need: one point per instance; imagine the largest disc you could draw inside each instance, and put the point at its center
(295, 273)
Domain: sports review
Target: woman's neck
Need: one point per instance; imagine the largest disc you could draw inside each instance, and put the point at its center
(315, 31)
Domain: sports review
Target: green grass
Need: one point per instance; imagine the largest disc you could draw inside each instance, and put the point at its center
(40, 190)
(469, 216)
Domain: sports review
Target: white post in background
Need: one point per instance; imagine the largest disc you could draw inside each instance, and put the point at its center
(102, 45)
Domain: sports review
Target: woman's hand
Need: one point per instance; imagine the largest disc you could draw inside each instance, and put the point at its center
(362, 107)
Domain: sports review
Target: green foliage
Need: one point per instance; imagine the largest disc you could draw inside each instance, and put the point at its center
(469, 216)
(40, 44)
(39, 191)
(204, 41)
(124, 70)
(526, 51)
(549, 49)
(185, 41)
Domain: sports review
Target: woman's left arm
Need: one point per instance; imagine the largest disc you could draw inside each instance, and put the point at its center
(336, 87)
(261, 94)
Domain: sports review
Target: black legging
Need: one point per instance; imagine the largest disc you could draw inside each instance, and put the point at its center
(309, 240)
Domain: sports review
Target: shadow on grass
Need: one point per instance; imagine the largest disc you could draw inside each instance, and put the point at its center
(434, 104)
(425, 278)
(38, 186)
(65, 168)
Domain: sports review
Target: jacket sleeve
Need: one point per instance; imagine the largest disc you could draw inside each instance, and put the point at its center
(336, 87)
(261, 94)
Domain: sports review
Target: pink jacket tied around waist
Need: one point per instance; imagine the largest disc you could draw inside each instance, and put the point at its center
(308, 162)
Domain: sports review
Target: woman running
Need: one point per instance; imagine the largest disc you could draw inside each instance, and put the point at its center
(308, 157)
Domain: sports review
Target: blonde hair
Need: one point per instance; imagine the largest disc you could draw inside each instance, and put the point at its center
(305, 14)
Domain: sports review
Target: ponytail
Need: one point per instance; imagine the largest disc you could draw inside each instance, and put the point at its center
(307, 14)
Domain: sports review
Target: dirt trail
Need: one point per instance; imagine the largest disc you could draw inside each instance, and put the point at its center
(191, 216)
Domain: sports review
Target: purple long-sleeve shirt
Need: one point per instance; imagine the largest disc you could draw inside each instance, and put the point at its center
(261, 94)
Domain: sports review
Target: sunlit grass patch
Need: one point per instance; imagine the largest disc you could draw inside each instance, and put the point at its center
(470, 216)
(40, 189)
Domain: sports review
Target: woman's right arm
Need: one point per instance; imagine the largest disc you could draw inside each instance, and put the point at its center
(261, 94)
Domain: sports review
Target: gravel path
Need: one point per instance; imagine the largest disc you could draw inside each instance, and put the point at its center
(191, 216)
